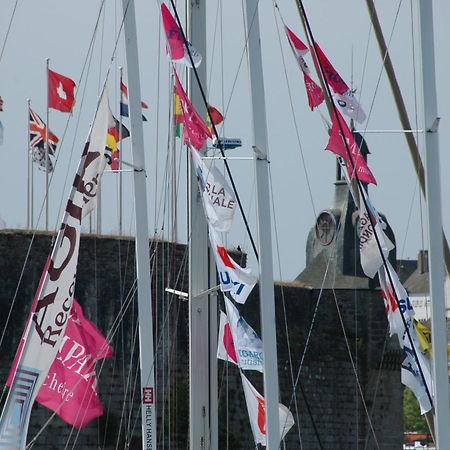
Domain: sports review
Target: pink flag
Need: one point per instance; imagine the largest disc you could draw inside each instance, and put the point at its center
(195, 131)
(336, 144)
(334, 79)
(70, 388)
(175, 42)
(314, 92)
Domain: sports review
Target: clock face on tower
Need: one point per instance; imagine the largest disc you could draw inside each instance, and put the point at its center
(325, 228)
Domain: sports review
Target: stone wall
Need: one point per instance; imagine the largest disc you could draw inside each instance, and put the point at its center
(330, 411)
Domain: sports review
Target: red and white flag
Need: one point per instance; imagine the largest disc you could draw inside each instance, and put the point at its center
(248, 349)
(256, 407)
(225, 345)
(355, 162)
(176, 49)
(233, 278)
(61, 92)
(70, 388)
(195, 131)
(219, 201)
(313, 91)
(370, 254)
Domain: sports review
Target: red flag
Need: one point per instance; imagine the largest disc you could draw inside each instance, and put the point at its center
(314, 92)
(61, 92)
(216, 117)
(195, 131)
(333, 78)
(355, 164)
(71, 385)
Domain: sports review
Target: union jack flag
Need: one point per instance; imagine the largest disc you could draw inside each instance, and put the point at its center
(37, 130)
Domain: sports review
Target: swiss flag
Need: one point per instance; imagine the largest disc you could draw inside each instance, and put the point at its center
(61, 95)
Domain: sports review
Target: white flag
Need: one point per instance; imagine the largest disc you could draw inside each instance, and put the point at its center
(410, 372)
(233, 278)
(390, 295)
(54, 297)
(349, 106)
(247, 344)
(371, 259)
(257, 413)
(225, 345)
(219, 201)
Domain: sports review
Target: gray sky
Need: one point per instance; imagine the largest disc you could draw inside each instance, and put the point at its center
(62, 31)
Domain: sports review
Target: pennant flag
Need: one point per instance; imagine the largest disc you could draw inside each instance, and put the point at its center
(349, 106)
(225, 345)
(177, 114)
(298, 47)
(333, 78)
(371, 259)
(61, 92)
(195, 131)
(37, 130)
(313, 91)
(256, 407)
(114, 136)
(216, 117)
(176, 49)
(356, 163)
(70, 388)
(247, 344)
(54, 297)
(124, 102)
(233, 278)
(219, 201)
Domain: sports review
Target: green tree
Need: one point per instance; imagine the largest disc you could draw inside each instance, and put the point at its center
(412, 419)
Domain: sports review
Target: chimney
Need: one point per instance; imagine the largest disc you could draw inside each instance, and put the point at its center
(422, 261)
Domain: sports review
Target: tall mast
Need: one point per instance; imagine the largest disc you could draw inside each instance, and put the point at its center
(433, 180)
(202, 366)
(266, 289)
(148, 397)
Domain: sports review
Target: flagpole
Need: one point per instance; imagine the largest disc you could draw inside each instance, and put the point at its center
(120, 154)
(47, 61)
(28, 165)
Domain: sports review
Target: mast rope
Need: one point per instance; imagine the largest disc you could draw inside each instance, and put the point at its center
(8, 30)
(363, 199)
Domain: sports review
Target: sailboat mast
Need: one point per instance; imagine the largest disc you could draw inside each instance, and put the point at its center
(148, 398)
(433, 186)
(202, 361)
(266, 289)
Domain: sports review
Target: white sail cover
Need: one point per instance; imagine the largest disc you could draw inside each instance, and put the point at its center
(54, 298)
(256, 407)
(233, 278)
(238, 342)
(219, 201)
(371, 259)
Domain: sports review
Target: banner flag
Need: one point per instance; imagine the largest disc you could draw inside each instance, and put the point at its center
(256, 407)
(247, 344)
(46, 329)
(195, 131)
(233, 278)
(219, 201)
(336, 144)
(176, 49)
(61, 92)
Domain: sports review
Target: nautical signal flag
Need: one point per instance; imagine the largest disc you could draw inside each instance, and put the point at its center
(346, 147)
(37, 131)
(114, 136)
(256, 407)
(177, 114)
(195, 131)
(176, 49)
(216, 117)
(61, 92)
(124, 102)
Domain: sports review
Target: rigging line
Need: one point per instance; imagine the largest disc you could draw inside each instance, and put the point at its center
(213, 52)
(294, 118)
(355, 370)
(8, 30)
(361, 191)
(202, 92)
